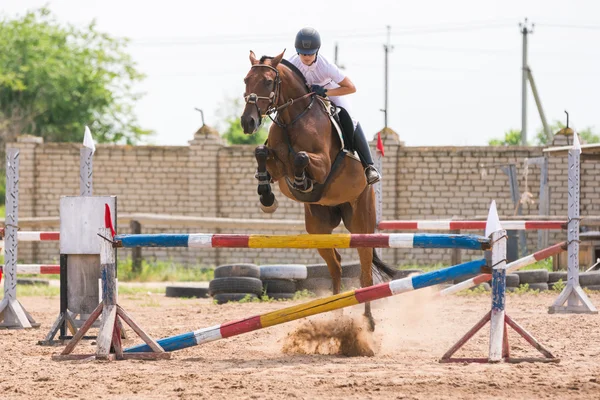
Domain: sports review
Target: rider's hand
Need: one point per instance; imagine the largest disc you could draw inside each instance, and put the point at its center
(319, 90)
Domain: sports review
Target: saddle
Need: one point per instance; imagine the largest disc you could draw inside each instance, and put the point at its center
(341, 123)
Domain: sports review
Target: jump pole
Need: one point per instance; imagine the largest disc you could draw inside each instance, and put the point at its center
(448, 225)
(511, 267)
(314, 307)
(306, 241)
(499, 348)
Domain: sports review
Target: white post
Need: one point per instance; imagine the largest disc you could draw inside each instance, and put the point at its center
(498, 238)
(86, 164)
(12, 313)
(573, 294)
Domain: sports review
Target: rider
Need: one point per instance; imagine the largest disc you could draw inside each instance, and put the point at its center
(326, 79)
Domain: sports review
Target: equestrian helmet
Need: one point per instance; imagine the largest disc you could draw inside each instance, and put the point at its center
(308, 41)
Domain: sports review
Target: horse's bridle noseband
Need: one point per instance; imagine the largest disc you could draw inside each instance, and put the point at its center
(273, 98)
(253, 98)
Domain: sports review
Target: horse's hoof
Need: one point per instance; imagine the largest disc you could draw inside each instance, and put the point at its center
(270, 209)
(370, 324)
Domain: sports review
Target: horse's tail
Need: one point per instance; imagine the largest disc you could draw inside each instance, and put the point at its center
(382, 269)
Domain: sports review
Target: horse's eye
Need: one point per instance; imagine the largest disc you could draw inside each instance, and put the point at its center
(245, 81)
(268, 82)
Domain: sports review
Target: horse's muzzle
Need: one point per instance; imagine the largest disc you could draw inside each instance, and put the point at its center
(250, 124)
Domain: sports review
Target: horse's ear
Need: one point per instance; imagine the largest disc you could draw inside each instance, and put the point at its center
(253, 59)
(277, 59)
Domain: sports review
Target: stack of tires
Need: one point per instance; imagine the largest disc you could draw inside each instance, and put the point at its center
(537, 279)
(280, 280)
(234, 282)
(318, 280)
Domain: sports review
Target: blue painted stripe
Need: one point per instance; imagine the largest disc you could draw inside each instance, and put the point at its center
(445, 241)
(498, 288)
(154, 240)
(448, 274)
(168, 344)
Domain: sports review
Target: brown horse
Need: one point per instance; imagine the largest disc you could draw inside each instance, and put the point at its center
(304, 155)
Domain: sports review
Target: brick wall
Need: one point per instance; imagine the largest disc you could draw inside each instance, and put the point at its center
(208, 178)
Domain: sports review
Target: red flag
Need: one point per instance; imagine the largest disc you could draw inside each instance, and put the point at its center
(108, 219)
(380, 144)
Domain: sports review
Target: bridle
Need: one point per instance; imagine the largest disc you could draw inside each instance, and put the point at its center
(273, 99)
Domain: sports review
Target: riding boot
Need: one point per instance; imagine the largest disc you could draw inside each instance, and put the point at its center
(364, 152)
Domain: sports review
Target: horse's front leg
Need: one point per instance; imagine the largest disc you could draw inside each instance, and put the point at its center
(316, 164)
(268, 202)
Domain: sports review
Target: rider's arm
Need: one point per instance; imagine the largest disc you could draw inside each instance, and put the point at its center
(346, 87)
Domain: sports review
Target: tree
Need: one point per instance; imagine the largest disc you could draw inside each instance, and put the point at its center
(230, 111)
(587, 135)
(512, 137)
(56, 79)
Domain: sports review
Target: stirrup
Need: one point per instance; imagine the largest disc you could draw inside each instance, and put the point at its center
(373, 179)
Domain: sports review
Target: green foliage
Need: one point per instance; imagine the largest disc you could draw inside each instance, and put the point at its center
(523, 289)
(512, 137)
(587, 135)
(557, 286)
(542, 264)
(160, 271)
(55, 79)
(230, 124)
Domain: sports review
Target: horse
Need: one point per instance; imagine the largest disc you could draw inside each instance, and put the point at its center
(304, 155)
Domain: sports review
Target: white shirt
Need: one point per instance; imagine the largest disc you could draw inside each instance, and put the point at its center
(326, 74)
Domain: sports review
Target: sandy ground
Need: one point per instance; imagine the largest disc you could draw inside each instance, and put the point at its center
(412, 334)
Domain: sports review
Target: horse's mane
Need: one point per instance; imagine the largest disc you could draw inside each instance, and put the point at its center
(289, 65)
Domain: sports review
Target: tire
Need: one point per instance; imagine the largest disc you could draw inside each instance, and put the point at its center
(279, 286)
(281, 296)
(186, 291)
(235, 285)
(349, 270)
(290, 271)
(557, 276)
(237, 270)
(404, 273)
(533, 276)
(223, 298)
(538, 286)
(33, 281)
(463, 278)
(589, 278)
(485, 286)
(318, 285)
(512, 280)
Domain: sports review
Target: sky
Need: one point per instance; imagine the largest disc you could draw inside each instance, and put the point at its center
(454, 68)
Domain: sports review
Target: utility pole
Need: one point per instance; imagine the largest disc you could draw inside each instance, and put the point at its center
(387, 48)
(525, 30)
(335, 57)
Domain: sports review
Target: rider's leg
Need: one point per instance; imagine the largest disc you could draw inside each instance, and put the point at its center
(364, 152)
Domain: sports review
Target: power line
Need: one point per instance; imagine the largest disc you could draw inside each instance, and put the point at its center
(242, 38)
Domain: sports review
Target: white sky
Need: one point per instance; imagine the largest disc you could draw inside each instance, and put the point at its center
(451, 82)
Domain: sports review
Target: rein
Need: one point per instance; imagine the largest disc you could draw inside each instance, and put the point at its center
(273, 98)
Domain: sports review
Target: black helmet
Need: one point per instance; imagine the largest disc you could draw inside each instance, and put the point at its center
(308, 41)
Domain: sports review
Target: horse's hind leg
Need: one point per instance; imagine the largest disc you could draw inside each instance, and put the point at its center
(360, 218)
(268, 202)
(322, 219)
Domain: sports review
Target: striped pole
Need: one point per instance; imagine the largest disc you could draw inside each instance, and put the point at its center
(35, 269)
(306, 241)
(444, 225)
(510, 268)
(318, 306)
(37, 236)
